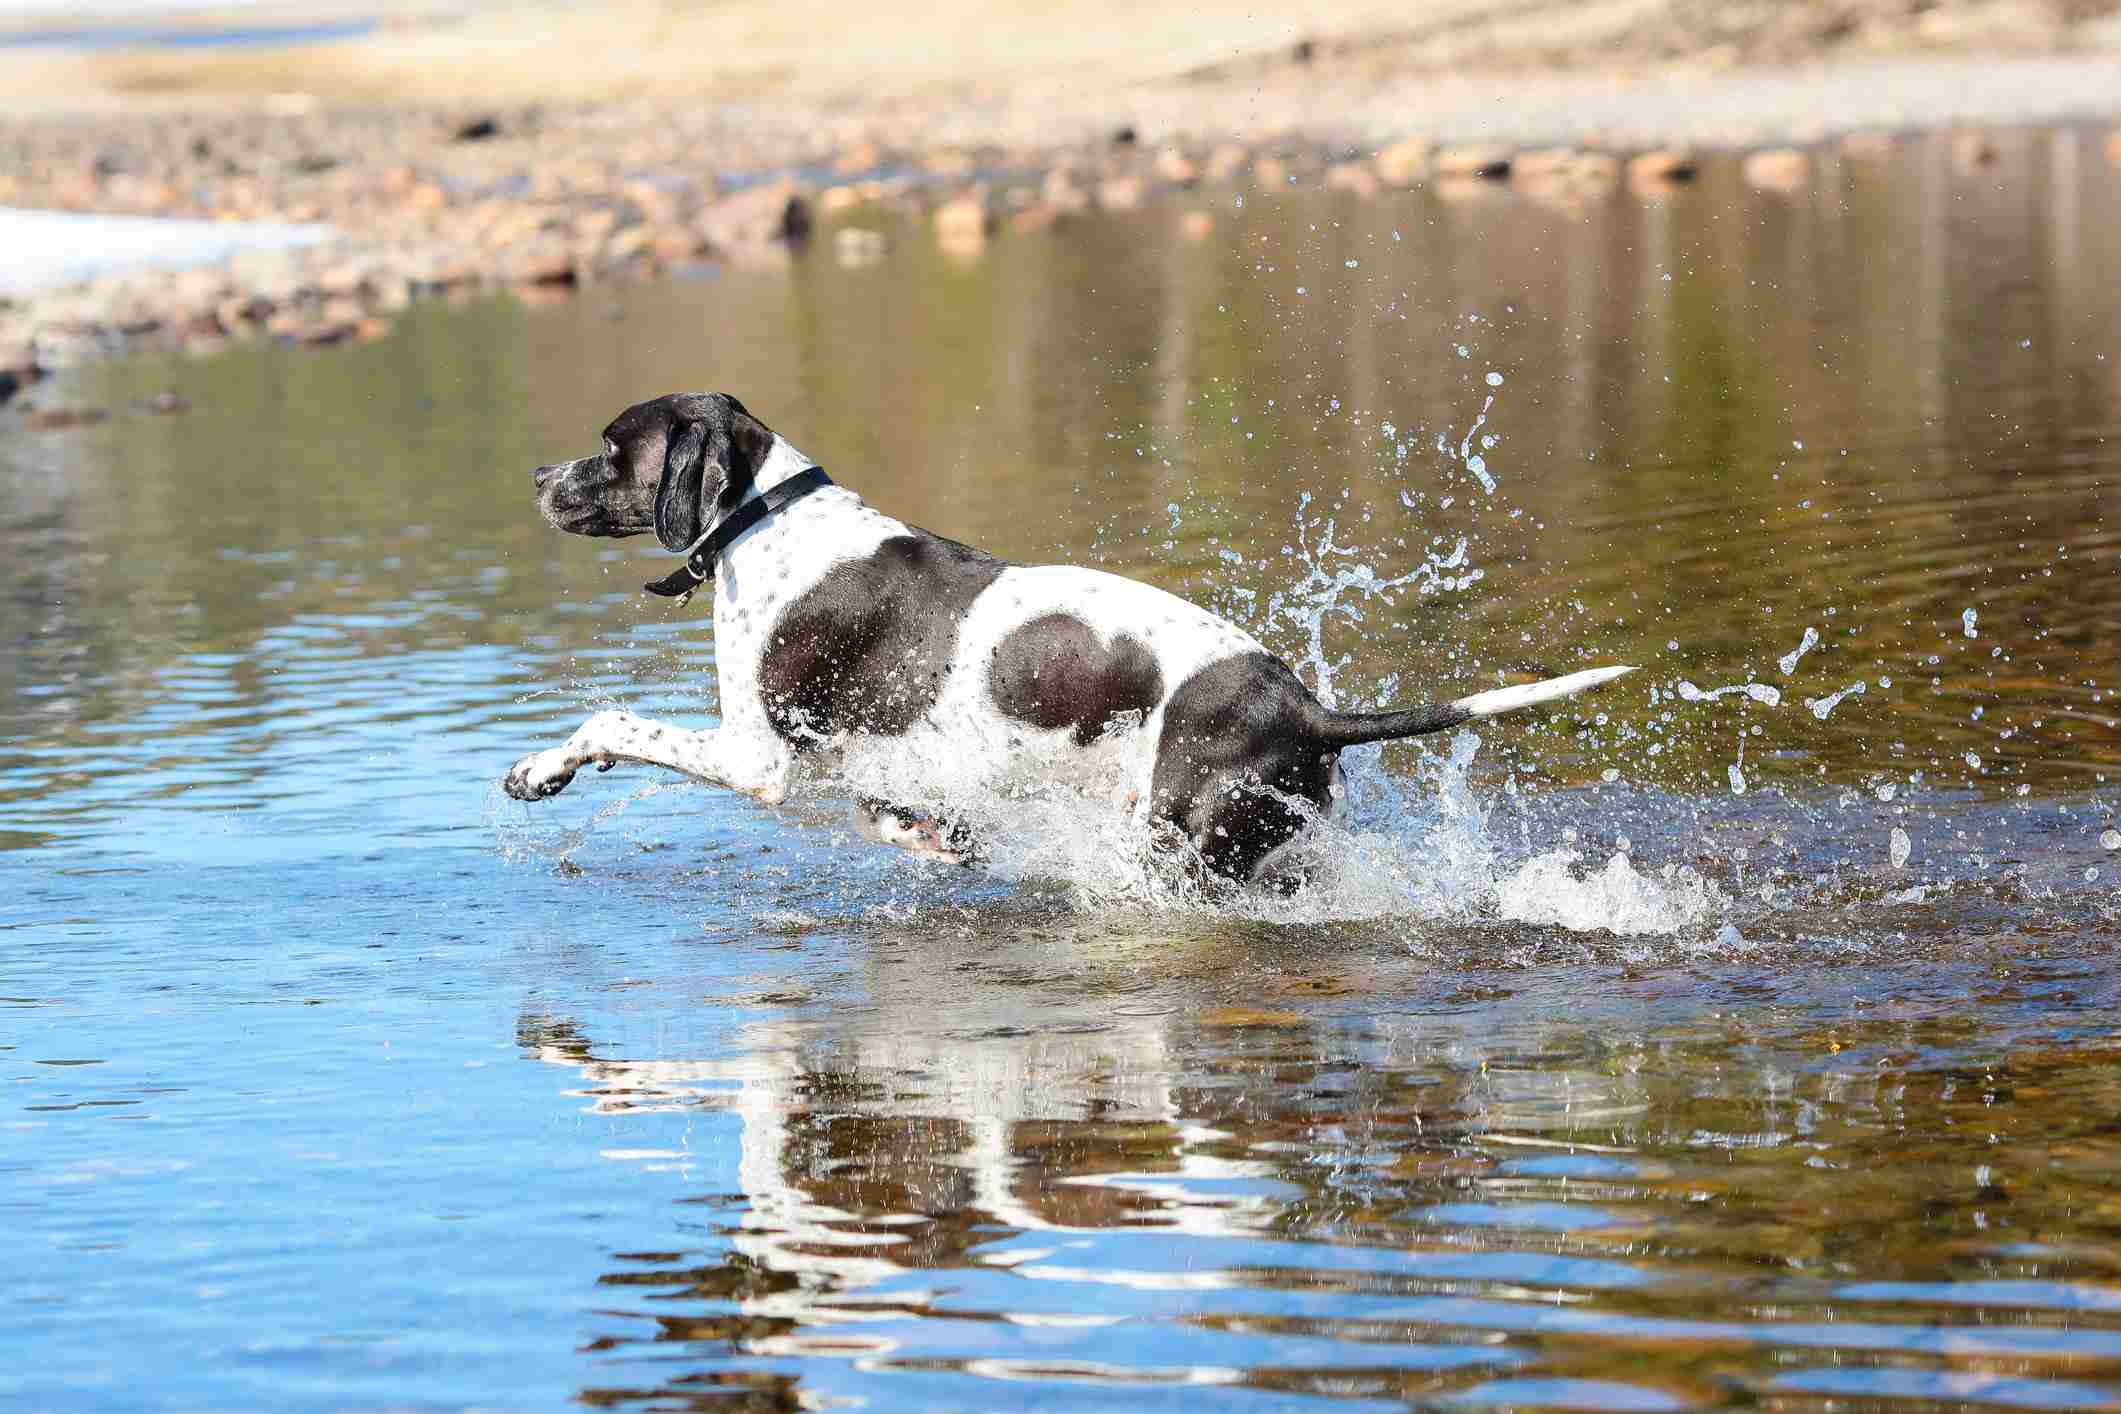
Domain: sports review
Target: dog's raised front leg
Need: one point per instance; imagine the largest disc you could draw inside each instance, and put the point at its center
(758, 768)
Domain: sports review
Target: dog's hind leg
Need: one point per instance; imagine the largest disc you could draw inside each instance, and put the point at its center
(932, 836)
(758, 766)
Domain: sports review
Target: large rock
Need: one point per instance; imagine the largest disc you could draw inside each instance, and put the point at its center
(963, 219)
(1404, 162)
(1487, 163)
(772, 213)
(1777, 169)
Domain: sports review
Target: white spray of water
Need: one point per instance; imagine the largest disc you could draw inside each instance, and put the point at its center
(1788, 661)
(1472, 460)
(1419, 848)
(1759, 691)
(1823, 706)
(1328, 589)
(1547, 889)
(1394, 847)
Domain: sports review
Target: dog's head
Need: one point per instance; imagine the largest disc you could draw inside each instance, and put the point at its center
(671, 465)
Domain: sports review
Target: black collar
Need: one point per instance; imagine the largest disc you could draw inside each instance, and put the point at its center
(699, 561)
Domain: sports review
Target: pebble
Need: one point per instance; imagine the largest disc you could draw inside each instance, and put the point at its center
(1660, 169)
(1230, 159)
(1174, 167)
(1353, 177)
(964, 219)
(856, 246)
(1121, 193)
(1973, 151)
(1404, 162)
(1488, 163)
(1778, 169)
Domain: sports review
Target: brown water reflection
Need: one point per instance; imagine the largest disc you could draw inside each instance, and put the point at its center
(1367, 1180)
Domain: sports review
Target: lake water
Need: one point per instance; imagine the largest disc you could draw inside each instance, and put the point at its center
(1672, 1049)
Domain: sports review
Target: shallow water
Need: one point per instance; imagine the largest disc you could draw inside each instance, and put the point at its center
(1580, 1081)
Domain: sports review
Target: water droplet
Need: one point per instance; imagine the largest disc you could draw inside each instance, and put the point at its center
(1788, 661)
(1902, 847)
(1737, 779)
(2111, 839)
(1967, 619)
(1494, 380)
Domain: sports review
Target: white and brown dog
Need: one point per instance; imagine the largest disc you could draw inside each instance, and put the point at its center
(837, 626)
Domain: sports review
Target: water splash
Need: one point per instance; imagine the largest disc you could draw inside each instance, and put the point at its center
(1822, 707)
(1788, 661)
(1549, 890)
(1329, 590)
(1760, 692)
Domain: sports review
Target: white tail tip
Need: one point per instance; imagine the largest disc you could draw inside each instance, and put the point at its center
(1497, 701)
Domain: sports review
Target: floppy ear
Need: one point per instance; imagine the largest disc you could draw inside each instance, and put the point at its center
(680, 509)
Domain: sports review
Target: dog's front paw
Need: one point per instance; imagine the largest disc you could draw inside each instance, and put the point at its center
(539, 775)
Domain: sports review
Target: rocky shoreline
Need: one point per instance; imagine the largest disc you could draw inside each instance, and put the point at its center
(538, 202)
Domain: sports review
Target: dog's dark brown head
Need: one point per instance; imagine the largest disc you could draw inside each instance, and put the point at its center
(670, 465)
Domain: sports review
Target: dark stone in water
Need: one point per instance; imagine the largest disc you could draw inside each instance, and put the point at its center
(1126, 137)
(478, 130)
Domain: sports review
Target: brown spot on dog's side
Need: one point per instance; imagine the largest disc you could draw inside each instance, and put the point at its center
(869, 646)
(1054, 672)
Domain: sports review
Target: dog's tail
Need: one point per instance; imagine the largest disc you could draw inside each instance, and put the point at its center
(1355, 728)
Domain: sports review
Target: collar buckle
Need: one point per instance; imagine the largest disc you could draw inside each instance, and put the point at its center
(700, 558)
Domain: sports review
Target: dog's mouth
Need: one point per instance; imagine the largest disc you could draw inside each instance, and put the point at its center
(575, 520)
(577, 517)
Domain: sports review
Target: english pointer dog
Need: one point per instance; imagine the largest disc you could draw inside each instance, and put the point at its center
(837, 628)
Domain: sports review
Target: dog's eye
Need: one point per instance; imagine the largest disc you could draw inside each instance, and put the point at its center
(611, 450)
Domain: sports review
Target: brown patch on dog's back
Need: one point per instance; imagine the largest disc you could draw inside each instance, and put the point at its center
(868, 647)
(1054, 672)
